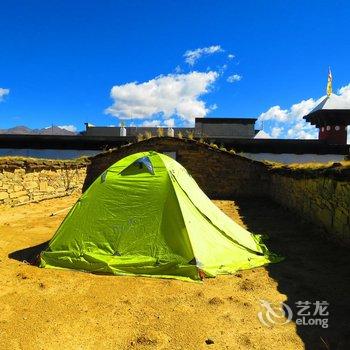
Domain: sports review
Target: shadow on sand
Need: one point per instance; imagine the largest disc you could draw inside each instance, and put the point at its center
(30, 254)
(314, 269)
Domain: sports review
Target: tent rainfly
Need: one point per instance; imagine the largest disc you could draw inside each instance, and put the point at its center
(146, 216)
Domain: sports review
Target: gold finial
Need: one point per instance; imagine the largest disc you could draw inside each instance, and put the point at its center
(329, 82)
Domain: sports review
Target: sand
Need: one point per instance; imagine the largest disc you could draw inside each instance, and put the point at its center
(61, 309)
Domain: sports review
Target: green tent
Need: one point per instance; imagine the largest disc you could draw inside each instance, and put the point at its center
(145, 215)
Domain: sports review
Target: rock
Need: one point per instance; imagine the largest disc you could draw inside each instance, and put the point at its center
(4, 195)
(209, 341)
(30, 185)
(42, 185)
(18, 194)
(215, 301)
(145, 340)
(50, 189)
(17, 188)
(23, 199)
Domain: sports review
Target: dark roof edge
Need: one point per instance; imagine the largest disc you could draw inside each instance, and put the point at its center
(226, 120)
(334, 112)
(80, 142)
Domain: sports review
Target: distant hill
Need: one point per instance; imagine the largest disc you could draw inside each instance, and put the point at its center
(22, 130)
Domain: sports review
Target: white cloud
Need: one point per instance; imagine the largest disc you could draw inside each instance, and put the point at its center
(230, 56)
(344, 94)
(222, 68)
(296, 132)
(151, 123)
(275, 132)
(302, 130)
(166, 95)
(3, 93)
(192, 56)
(234, 77)
(291, 120)
(178, 69)
(274, 113)
(289, 123)
(169, 122)
(71, 128)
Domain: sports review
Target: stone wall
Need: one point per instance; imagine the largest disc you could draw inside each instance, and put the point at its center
(323, 199)
(220, 174)
(30, 180)
(321, 196)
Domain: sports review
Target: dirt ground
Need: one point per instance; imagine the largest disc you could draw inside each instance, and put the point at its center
(58, 309)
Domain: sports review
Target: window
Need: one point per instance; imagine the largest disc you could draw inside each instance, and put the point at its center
(322, 129)
(140, 165)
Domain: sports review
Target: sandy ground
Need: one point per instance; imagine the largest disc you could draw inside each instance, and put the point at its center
(57, 309)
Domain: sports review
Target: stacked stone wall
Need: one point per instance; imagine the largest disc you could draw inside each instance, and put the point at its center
(220, 174)
(325, 201)
(24, 181)
(321, 196)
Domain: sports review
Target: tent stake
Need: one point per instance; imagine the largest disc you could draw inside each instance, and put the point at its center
(60, 211)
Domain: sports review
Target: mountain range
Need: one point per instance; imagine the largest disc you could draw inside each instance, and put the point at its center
(23, 130)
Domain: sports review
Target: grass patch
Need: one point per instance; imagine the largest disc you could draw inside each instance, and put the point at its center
(310, 166)
(7, 160)
(336, 170)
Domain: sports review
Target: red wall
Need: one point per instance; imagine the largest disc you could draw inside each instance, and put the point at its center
(333, 136)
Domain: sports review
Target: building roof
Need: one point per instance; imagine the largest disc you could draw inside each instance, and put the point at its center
(332, 110)
(226, 120)
(332, 102)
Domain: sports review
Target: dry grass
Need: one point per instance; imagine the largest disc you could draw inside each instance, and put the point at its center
(190, 135)
(309, 166)
(147, 135)
(140, 137)
(160, 132)
(339, 170)
(15, 159)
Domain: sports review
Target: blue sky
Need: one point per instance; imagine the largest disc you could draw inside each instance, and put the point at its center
(60, 60)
